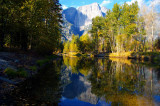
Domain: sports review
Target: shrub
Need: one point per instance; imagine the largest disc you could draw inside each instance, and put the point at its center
(10, 72)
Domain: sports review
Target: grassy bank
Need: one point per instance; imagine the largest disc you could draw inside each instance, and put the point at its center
(144, 56)
(77, 54)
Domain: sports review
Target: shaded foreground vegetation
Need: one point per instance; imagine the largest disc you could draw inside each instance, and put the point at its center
(30, 25)
(44, 88)
(16, 67)
(30, 29)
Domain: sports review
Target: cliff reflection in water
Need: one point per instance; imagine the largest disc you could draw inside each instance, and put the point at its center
(114, 82)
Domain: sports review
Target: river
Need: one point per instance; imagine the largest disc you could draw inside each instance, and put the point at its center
(74, 81)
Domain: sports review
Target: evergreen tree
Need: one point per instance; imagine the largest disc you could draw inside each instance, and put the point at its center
(97, 30)
(31, 24)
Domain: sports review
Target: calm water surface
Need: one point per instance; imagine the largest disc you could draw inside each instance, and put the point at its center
(89, 82)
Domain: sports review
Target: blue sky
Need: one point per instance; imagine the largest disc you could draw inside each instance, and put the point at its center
(106, 3)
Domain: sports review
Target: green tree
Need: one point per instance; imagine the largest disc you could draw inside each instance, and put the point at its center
(5, 18)
(31, 24)
(74, 44)
(124, 29)
(97, 31)
(113, 25)
(66, 47)
(85, 43)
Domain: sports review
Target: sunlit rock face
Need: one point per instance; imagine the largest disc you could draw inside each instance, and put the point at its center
(86, 13)
(81, 18)
(104, 10)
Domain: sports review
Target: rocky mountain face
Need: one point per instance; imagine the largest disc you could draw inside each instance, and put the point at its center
(81, 19)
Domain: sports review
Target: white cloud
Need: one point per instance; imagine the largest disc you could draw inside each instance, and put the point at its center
(105, 2)
(64, 7)
(154, 2)
(140, 2)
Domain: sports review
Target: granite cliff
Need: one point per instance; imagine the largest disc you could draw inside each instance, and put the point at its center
(80, 19)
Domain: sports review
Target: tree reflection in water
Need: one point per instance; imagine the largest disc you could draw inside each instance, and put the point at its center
(121, 83)
(117, 81)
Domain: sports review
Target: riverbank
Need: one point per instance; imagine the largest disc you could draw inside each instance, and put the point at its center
(15, 67)
(143, 56)
(76, 54)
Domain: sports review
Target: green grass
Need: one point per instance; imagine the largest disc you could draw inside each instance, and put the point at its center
(12, 73)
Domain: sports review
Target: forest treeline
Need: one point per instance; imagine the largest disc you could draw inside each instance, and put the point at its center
(36, 25)
(30, 24)
(123, 29)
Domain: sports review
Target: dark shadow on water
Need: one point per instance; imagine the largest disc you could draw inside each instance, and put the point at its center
(43, 88)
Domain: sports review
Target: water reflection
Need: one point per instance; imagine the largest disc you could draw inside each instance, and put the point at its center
(115, 81)
(89, 81)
